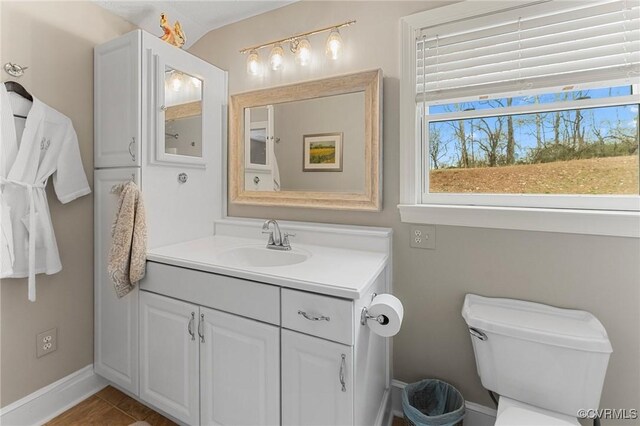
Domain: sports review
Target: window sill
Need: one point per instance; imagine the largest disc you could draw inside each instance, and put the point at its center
(589, 222)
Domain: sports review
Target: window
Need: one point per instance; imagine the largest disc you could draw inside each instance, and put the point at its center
(548, 143)
(532, 106)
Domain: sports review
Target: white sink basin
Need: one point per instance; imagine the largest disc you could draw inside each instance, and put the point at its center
(260, 256)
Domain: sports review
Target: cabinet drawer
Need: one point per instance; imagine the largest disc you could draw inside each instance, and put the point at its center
(323, 316)
(245, 298)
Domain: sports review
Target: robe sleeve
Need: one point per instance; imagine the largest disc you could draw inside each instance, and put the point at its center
(69, 180)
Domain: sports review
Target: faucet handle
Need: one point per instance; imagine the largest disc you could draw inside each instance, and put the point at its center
(285, 239)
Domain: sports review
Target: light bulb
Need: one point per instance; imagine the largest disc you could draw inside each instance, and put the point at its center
(303, 52)
(253, 63)
(334, 44)
(176, 82)
(276, 58)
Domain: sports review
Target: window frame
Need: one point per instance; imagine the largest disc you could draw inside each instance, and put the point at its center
(617, 215)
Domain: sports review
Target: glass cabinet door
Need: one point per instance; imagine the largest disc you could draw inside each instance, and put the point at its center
(259, 138)
(182, 113)
(180, 98)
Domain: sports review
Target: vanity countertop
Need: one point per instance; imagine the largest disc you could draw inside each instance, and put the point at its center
(333, 271)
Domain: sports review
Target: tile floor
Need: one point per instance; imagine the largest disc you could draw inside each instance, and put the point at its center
(114, 408)
(109, 407)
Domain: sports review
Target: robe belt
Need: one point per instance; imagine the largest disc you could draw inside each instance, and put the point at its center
(32, 231)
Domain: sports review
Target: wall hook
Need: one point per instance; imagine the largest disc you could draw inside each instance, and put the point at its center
(14, 70)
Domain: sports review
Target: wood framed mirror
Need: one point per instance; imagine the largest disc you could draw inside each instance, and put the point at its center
(315, 144)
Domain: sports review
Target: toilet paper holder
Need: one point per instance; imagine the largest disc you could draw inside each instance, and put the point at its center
(365, 316)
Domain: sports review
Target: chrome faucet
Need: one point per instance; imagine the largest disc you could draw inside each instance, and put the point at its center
(277, 240)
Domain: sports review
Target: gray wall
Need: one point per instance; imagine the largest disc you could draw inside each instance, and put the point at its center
(55, 40)
(598, 274)
(334, 114)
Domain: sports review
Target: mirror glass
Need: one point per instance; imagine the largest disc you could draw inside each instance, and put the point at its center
(307, 145)
(313, 144)
(258, 132)
(182, 113)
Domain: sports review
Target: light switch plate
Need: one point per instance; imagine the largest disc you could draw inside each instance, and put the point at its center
(423, 236)
(46, 342)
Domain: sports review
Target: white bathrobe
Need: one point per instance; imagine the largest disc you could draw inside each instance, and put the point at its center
(31, 150)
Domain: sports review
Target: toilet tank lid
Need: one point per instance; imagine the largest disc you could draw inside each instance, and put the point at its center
(536, 322)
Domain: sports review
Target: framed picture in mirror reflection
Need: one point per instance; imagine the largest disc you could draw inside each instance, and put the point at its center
(322, 152)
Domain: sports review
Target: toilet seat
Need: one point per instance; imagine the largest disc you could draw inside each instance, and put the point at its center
(516, 413)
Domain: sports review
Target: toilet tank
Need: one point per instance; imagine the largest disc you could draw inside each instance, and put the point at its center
(541, 355)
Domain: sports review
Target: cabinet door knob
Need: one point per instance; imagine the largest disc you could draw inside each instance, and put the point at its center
(190, 326)
(343, 365)
(256, 180)
(312, 318)
(201, 328)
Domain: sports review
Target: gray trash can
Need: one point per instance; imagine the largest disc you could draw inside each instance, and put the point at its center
(432, 402)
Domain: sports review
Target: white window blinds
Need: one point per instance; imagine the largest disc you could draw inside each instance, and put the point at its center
(546, 44)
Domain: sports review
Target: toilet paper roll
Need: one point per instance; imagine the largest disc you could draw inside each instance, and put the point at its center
(390, 307)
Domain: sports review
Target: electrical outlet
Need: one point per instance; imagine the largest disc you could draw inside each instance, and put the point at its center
(46, 342)
(423, 236)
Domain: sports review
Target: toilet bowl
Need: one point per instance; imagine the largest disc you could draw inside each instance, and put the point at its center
(516, 413)
(546, 363)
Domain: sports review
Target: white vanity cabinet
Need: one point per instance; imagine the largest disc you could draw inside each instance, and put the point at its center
(239, 370)
(317, 381)
(262, 354)
(218, 362)
(203, 366)
(169, 356)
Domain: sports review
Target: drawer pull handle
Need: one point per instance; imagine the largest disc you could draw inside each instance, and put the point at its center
(190, 326)
(312, 318)
(201, 328)
(342, 367)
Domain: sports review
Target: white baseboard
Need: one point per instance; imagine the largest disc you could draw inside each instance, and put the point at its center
(46, 403)
(477, 415)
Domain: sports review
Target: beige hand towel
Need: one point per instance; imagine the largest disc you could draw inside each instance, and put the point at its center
(128, 254)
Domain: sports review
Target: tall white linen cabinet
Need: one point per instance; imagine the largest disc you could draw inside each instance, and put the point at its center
(149, 97)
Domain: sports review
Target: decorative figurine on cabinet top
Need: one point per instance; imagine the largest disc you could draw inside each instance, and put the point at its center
(175, 35)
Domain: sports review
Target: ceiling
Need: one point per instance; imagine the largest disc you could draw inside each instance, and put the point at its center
(197, 17)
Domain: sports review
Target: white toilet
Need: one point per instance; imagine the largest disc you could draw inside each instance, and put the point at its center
(546, 363)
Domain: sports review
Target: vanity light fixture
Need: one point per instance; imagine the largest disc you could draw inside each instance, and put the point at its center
(253, 63)
(276, 58)
(176, 82)
(302, 49)
(334, 44)
(300, 46)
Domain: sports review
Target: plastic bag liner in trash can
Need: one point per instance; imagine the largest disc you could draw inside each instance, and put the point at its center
(432, 402)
